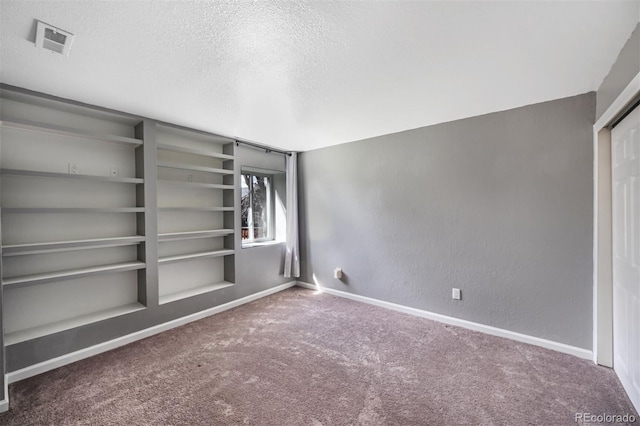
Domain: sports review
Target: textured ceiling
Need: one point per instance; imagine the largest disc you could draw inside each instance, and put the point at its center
(302, 75)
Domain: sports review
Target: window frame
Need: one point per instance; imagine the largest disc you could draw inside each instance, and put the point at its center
(271, 234)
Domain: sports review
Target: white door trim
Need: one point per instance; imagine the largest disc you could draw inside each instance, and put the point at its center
(602, 227)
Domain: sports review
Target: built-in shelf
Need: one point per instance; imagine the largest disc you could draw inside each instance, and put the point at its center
(214, 253)
(193, 292)
(52, 129)
(195, 151)
(57, 246)
(69, 274)
(184, 166)
(191, 235)
(196, 184)
(56, 175)
(195, 209)
(7, 210)
(56, 327)
(56, 257)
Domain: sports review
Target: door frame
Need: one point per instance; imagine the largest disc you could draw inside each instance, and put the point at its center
(602, 226)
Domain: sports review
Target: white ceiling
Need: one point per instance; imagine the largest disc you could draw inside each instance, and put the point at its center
(302, 75)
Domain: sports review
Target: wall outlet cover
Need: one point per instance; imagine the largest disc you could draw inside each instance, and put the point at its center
(456, 293)
(337, 273)
(74, 169)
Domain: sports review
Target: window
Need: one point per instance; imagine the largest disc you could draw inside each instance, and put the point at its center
(257, 207)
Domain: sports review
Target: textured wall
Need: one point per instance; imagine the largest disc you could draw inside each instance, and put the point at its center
(257, 268)
(2, 365)
(498, 205)
(626, 67)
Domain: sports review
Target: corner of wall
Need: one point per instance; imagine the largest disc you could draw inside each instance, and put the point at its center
(622, 72)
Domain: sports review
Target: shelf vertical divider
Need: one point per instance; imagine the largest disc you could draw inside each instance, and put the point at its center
(3, 377)
(229, 200)
(147, 222)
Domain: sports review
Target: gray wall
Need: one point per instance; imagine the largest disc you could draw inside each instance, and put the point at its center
(498, 205)
(2, 364)
(257, 268)
(626, 67)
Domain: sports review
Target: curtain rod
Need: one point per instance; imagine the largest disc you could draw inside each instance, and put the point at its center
(266, 148)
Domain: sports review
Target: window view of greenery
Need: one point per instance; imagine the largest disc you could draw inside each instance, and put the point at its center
(256, 209)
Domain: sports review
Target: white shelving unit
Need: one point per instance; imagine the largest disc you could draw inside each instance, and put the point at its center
(11, 210)
(193, 174)
(183, 166)
(62, 174)
(195, 151)
(195, 209)
(58, 326)
(105, 215)
(52, 129)
(70, 273)
(55, 175)
(213, 253)
(57, 246)
(173, 297)
(191, 235)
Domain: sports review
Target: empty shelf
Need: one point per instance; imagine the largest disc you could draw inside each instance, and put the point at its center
(56, 327)
(72, 210)
(189, 235)
(54, 175)
(53, 129)
(193, 292)
(195, 209)
(70, 273)
(177, 258)
(184, 166)
(56, 246)
(196, 184)
(196, 151)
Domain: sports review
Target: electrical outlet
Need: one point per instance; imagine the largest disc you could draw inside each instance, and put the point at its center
(190, 178)
(115, 171)
(456, 293)
(74, 169)
(337, 273)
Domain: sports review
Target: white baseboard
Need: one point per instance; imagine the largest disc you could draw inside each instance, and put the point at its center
(50, 364)
(494, 331)
(4, 404)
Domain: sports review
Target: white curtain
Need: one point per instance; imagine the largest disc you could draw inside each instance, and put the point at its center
(291, 259)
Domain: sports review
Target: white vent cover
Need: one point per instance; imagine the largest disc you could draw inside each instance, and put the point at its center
(53, 39)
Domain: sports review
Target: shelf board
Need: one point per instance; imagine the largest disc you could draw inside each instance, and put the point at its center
(69, 274)
(196, 184)
(190, 235)
(184, 166)
(172, 297)
(53, 129)
(57, 246)
(195, 151)
(8, 210)
(56, 327)
(214, 253)
(195, 209)
(34, 173)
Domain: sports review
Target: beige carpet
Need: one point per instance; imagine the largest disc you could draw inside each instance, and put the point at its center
(299, 358)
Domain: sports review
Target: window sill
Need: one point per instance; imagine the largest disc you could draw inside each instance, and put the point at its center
(262, 244)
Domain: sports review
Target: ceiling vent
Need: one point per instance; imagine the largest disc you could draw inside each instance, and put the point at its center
(53, 39)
